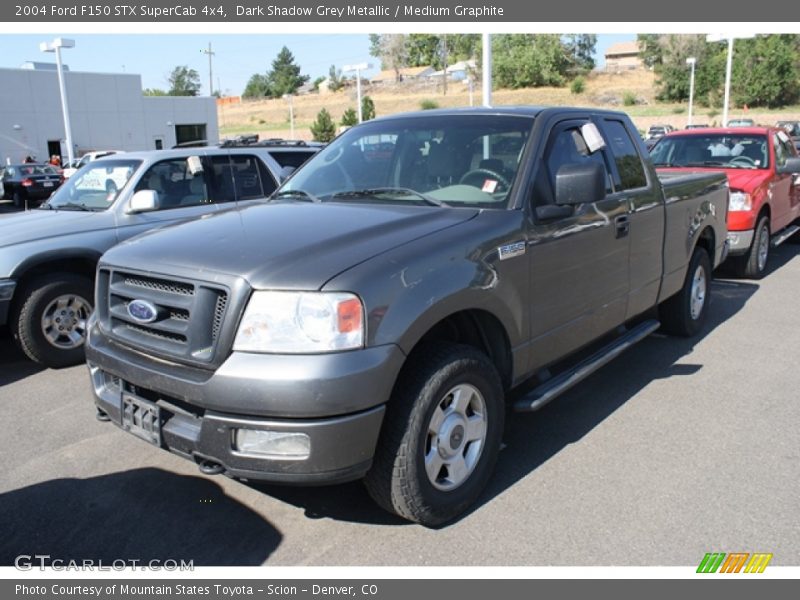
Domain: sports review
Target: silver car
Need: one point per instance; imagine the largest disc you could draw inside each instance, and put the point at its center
(48, 256)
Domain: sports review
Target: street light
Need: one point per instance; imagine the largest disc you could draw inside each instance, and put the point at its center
(691, 61)
(716, 37)
(288, 98)
(55, 46)
(358, 68)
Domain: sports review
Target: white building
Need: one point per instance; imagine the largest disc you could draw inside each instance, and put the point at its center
(107, 112)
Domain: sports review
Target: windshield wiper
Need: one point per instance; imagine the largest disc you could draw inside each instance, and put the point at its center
(71, 205)
(396, 191)
(296, 194)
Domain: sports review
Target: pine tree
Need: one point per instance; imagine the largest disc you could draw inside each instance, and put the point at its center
(349, 118)
(367, 108)
(323, 129)
(284, 78)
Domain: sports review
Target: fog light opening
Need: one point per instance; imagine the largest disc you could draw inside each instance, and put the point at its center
(273, 444)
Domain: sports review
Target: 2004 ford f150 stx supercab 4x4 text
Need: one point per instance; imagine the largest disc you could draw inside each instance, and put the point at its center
(369, 320)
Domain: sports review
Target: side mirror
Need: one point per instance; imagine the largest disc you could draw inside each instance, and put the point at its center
(792, 165)
(577, 183)
(285, 172)
(143, 201)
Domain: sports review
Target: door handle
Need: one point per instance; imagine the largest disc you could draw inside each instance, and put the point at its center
(623, 225)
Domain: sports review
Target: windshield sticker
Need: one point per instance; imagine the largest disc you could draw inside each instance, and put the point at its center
(489, 186)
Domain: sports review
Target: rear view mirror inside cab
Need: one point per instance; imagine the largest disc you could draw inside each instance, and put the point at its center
(194, 164)
(591, 135)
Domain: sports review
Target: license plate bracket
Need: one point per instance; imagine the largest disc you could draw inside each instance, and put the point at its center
(142, 418)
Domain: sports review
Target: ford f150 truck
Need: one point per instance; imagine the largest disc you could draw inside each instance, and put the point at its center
(764, 174)
(370, 320)
(48, 256)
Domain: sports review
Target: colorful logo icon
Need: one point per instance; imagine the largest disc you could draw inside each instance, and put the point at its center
(734, 562)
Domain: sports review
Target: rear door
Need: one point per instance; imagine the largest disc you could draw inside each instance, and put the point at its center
(644, 201)
(578, 261)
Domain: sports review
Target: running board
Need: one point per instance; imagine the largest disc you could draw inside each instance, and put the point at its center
(538, 397)
(784, 235)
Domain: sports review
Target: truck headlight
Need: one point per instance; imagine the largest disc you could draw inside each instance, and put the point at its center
(740, 201)
(301, 323)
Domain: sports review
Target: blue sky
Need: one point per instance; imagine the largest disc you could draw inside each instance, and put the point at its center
(237, 56)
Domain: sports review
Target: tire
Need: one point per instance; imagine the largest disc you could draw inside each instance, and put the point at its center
(19, 200)
(48, 303)
(423, 410)
(753, 265)
(684, 314)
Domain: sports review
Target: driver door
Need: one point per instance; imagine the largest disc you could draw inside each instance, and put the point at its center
(579, 261)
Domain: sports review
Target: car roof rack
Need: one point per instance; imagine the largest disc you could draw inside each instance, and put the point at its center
(251, 140)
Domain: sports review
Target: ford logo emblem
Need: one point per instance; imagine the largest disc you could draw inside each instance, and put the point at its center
(142, 311)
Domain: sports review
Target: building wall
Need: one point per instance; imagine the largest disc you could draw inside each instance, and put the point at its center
(107, 112)
(623, 63)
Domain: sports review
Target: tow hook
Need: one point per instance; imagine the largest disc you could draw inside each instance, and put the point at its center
(209, 467)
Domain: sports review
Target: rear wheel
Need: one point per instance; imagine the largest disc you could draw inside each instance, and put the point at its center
(50, 323)
(684, 313)
(753, 265)
(441, 435)
(19, 199)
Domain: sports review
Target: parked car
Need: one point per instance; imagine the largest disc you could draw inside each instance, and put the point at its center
(741, 123)
(29, 183)
(791, 127)
(697, 126)
(370, 321)
(657, 131)
(48, 256)
(84, 160)
(762, 166)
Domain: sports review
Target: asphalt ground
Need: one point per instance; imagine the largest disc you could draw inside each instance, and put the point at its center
(678, 448)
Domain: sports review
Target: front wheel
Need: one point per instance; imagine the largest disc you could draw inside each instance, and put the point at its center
(50, 324)
(753, 265)
(684, 313)
(441, 435)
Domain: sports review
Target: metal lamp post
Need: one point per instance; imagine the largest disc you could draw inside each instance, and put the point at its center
(715, 37)
(357, 68)
(691, 61)
(55, 46)
(288, 98)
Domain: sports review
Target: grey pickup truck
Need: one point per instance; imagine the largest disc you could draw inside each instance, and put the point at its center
(371, 319)
(48, 256)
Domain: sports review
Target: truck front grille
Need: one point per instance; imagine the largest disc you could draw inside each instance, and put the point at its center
(187, 322)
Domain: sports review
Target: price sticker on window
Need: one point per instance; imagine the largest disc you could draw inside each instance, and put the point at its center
(489, 186)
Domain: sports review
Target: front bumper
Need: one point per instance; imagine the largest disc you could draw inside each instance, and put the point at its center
(739, 242)
(337, 400)
(7, 287)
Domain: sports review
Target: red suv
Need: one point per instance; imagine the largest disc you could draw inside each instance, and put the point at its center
(763, 170)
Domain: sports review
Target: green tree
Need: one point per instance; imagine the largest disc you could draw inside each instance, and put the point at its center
(423, 49)
(367, 108)
(581, 50)
(316, 83)
(335, 79)
(524, 60)
(154, 92)
(349, 118)
(183, 81)
(323, 129)
(391, 49)
(765, 71)
(285, 77)
(257, 86)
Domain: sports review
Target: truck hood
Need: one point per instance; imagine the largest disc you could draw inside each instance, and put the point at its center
(283, 245)
(745, 180)
(39, 224)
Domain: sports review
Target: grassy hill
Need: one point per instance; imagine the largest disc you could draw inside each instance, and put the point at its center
(270, 118)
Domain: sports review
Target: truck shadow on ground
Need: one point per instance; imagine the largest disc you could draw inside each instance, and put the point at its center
(143, 514)
(14, 365)
(533, 438)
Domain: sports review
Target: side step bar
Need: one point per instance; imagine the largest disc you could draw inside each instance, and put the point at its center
(538, 397)
(784, 234)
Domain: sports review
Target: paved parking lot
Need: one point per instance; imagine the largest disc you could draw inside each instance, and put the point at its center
(678, 448)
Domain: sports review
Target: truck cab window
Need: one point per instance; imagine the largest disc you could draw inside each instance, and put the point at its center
(626, 158)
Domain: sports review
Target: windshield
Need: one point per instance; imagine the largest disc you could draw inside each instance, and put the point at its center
(94, 187)
(726, 151)
(453, 160)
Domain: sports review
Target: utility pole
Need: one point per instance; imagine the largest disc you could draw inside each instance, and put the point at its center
(210, 53)
(444, 59)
